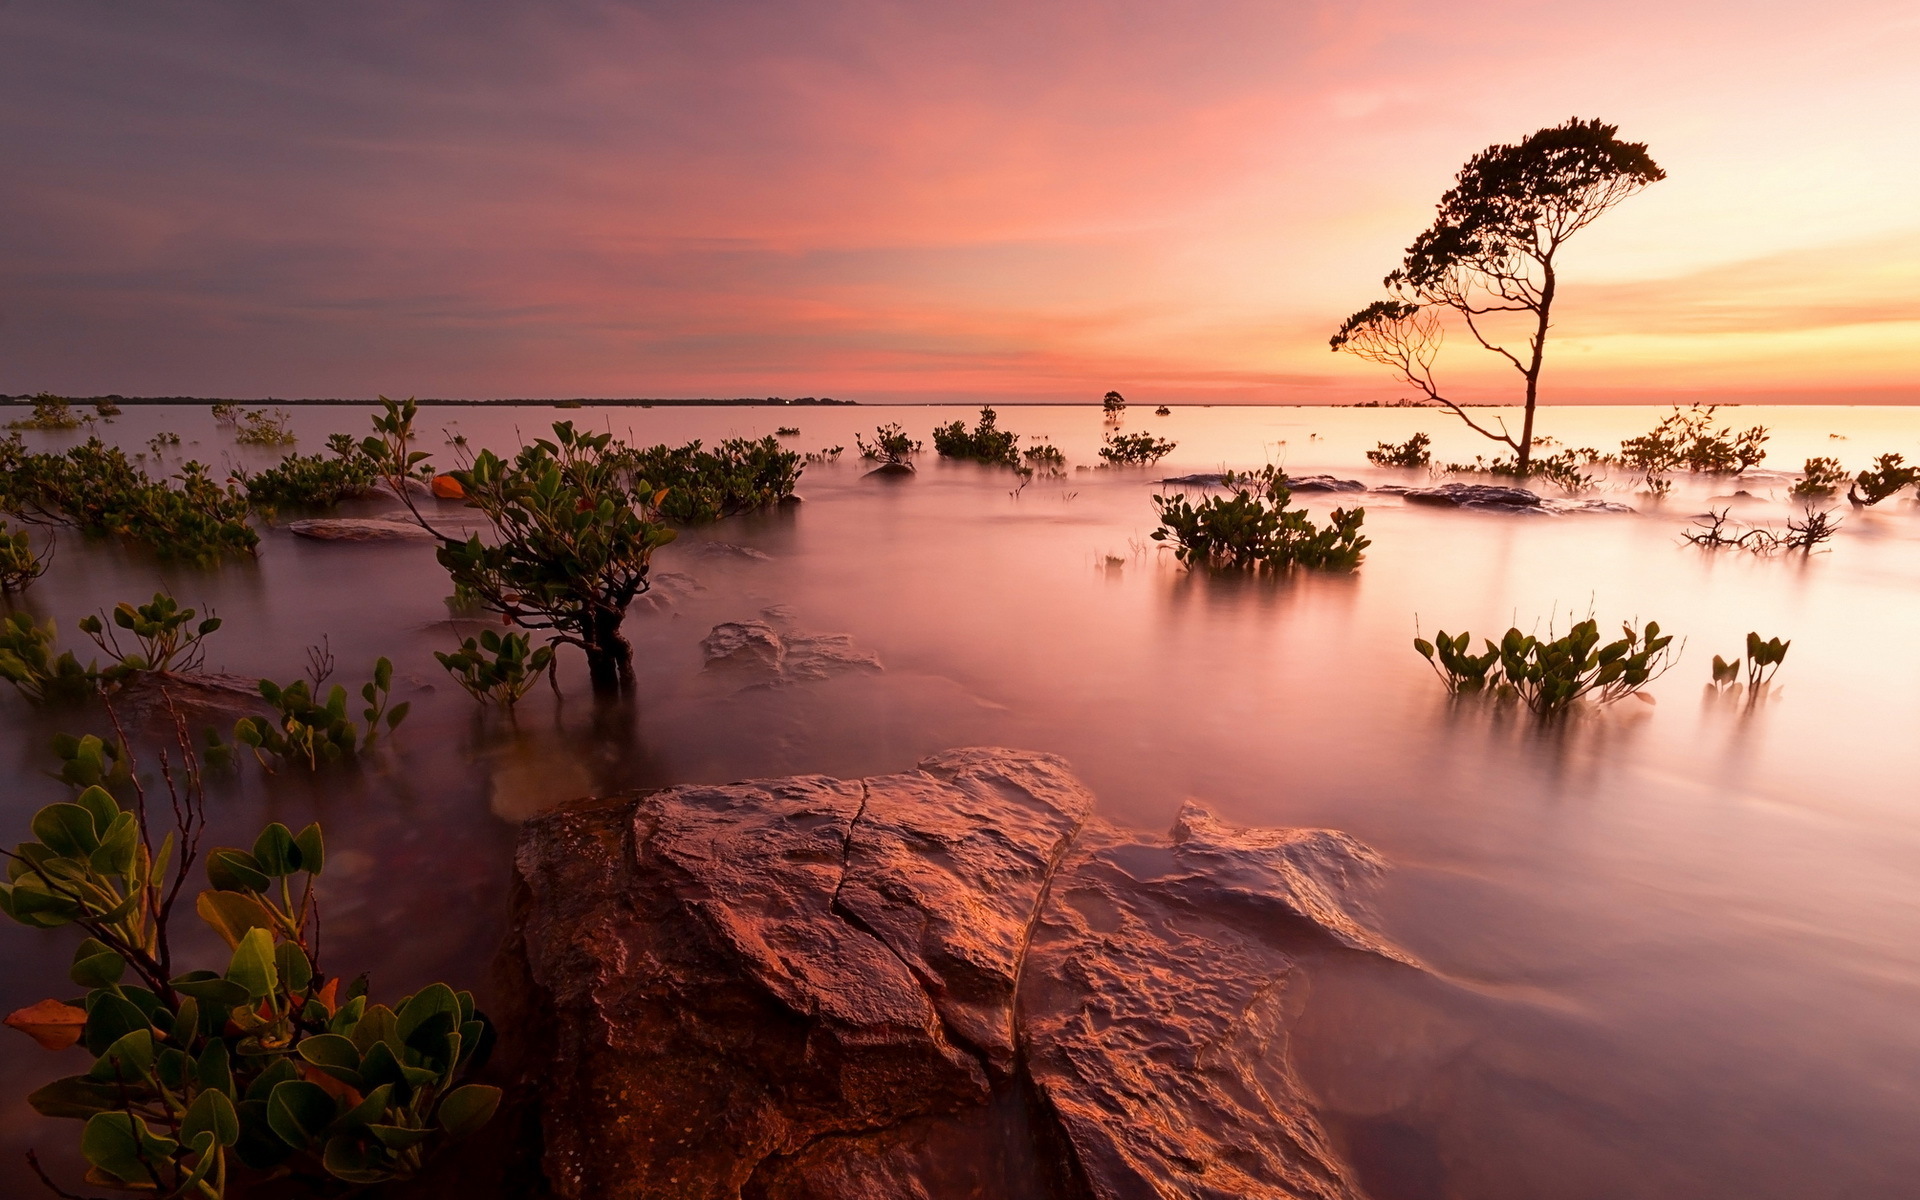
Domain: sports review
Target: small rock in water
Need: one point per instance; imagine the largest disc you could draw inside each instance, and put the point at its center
(1324, 483)
(357, 529)
(1473, 495)
(893, 470)
(724, 550)
(770, 656)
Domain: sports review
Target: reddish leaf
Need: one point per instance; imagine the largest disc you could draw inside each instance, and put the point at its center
(53, 1024)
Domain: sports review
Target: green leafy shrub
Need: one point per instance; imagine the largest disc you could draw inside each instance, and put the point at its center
(826, 454)
(160, 442)
(1254, 529)
(1565, 468)
(306, 732)
(264, 427)
(1549, 675)
(890, 444)
(787, 431)
(497, 668)
(164, 637)
(1413, 452)
(20, 563)
(1688, 438)
(106, 408)
(309, 481)
(1463, 673)
(28, 661)
(574, 531)
(1819, 477)
(202, 1079)
(985, 442)
(96, 489)
(50, 413)
(695, 486)
(1044, 458)
(1134, 449)
(1890, 473)
(1763, 658)
(1113, 404)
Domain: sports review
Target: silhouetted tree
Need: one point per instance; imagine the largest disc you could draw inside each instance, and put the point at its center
(1491, 250)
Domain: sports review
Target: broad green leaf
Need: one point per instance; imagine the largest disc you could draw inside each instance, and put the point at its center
(252, 966)
(299, 1112)
(465, 1109)
(211, 1111)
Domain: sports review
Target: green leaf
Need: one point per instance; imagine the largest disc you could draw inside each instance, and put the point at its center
(276, 852)
(350, 1160)
(67, 830)
(186, 1021)
(291, 961)
(465, 1109)
(313, 849)
(211, 1112)
(111, 1144)
(76, 1097)
(368, 1110)
(252, 965)
(213, 1070)
(399, 1137)
(98, 801)
(96, 966)
(128, 1060)
(210, 989)
(231, 870)
(110, 1018)
(433, 1000)
(298, 1112)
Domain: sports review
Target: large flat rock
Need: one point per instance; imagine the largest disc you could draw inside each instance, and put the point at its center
(949, 982)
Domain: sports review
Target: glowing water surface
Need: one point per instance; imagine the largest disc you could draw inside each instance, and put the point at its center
(1673, 948)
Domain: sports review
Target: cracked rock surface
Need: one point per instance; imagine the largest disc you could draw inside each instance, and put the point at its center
(950, 982)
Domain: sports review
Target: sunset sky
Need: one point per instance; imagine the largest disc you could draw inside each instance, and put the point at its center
(1023, 201)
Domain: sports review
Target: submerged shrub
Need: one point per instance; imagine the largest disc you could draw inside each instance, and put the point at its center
(1763, 659)
(1688, 438)
(1819, 477)
(1254, 529)
(1716, 530)
(312, 480)
(264, 427)
(165, 639)
(28, 660)
(697, 485)
(1565, 468)
(1044, 458)
(985, 442)
(96, 489)
(20, 563)
(890, 444)
(498, 668)
(787, 431)
(1134, 449)
(50, 413)
(574, 531)
(305, 732)
(1113, 404)
(1890, 473)
(106, 408)
(1550, 675)
(268, 1064)
(1413, 452)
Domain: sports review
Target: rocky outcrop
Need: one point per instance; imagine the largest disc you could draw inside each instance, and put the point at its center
(1324, 483)
(758, 653)
(950, 982)
(358, 529)
(1473, 495)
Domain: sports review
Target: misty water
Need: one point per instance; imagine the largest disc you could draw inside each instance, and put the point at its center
(1672, 949)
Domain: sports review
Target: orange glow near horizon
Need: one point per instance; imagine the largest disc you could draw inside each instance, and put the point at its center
(901, 202)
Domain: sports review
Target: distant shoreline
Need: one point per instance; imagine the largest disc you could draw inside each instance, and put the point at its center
(431, 402)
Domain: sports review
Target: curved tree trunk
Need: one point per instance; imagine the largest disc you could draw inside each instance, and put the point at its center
(609, 657)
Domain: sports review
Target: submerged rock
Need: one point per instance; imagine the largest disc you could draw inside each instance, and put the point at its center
(1473, 495)
(723, 550)
(890, 470)
(771, 655)
(951, 982)
(1324, 483)
(358, 529)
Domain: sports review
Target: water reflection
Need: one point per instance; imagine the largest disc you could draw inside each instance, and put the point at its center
(1674, 949)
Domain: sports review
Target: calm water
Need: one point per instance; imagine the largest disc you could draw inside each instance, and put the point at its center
(1673, 947)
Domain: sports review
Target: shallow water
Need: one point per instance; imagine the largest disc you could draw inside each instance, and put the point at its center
(1673, 947)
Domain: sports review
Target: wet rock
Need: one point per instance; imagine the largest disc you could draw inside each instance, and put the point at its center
(723, 550)
(768, 655)
(201, 698)
(358, 529)
(666, 590)
(1324, 483)
(1473, 495)
(1205, 480)
(894, 470)
(950, 982)
(1577, 507)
